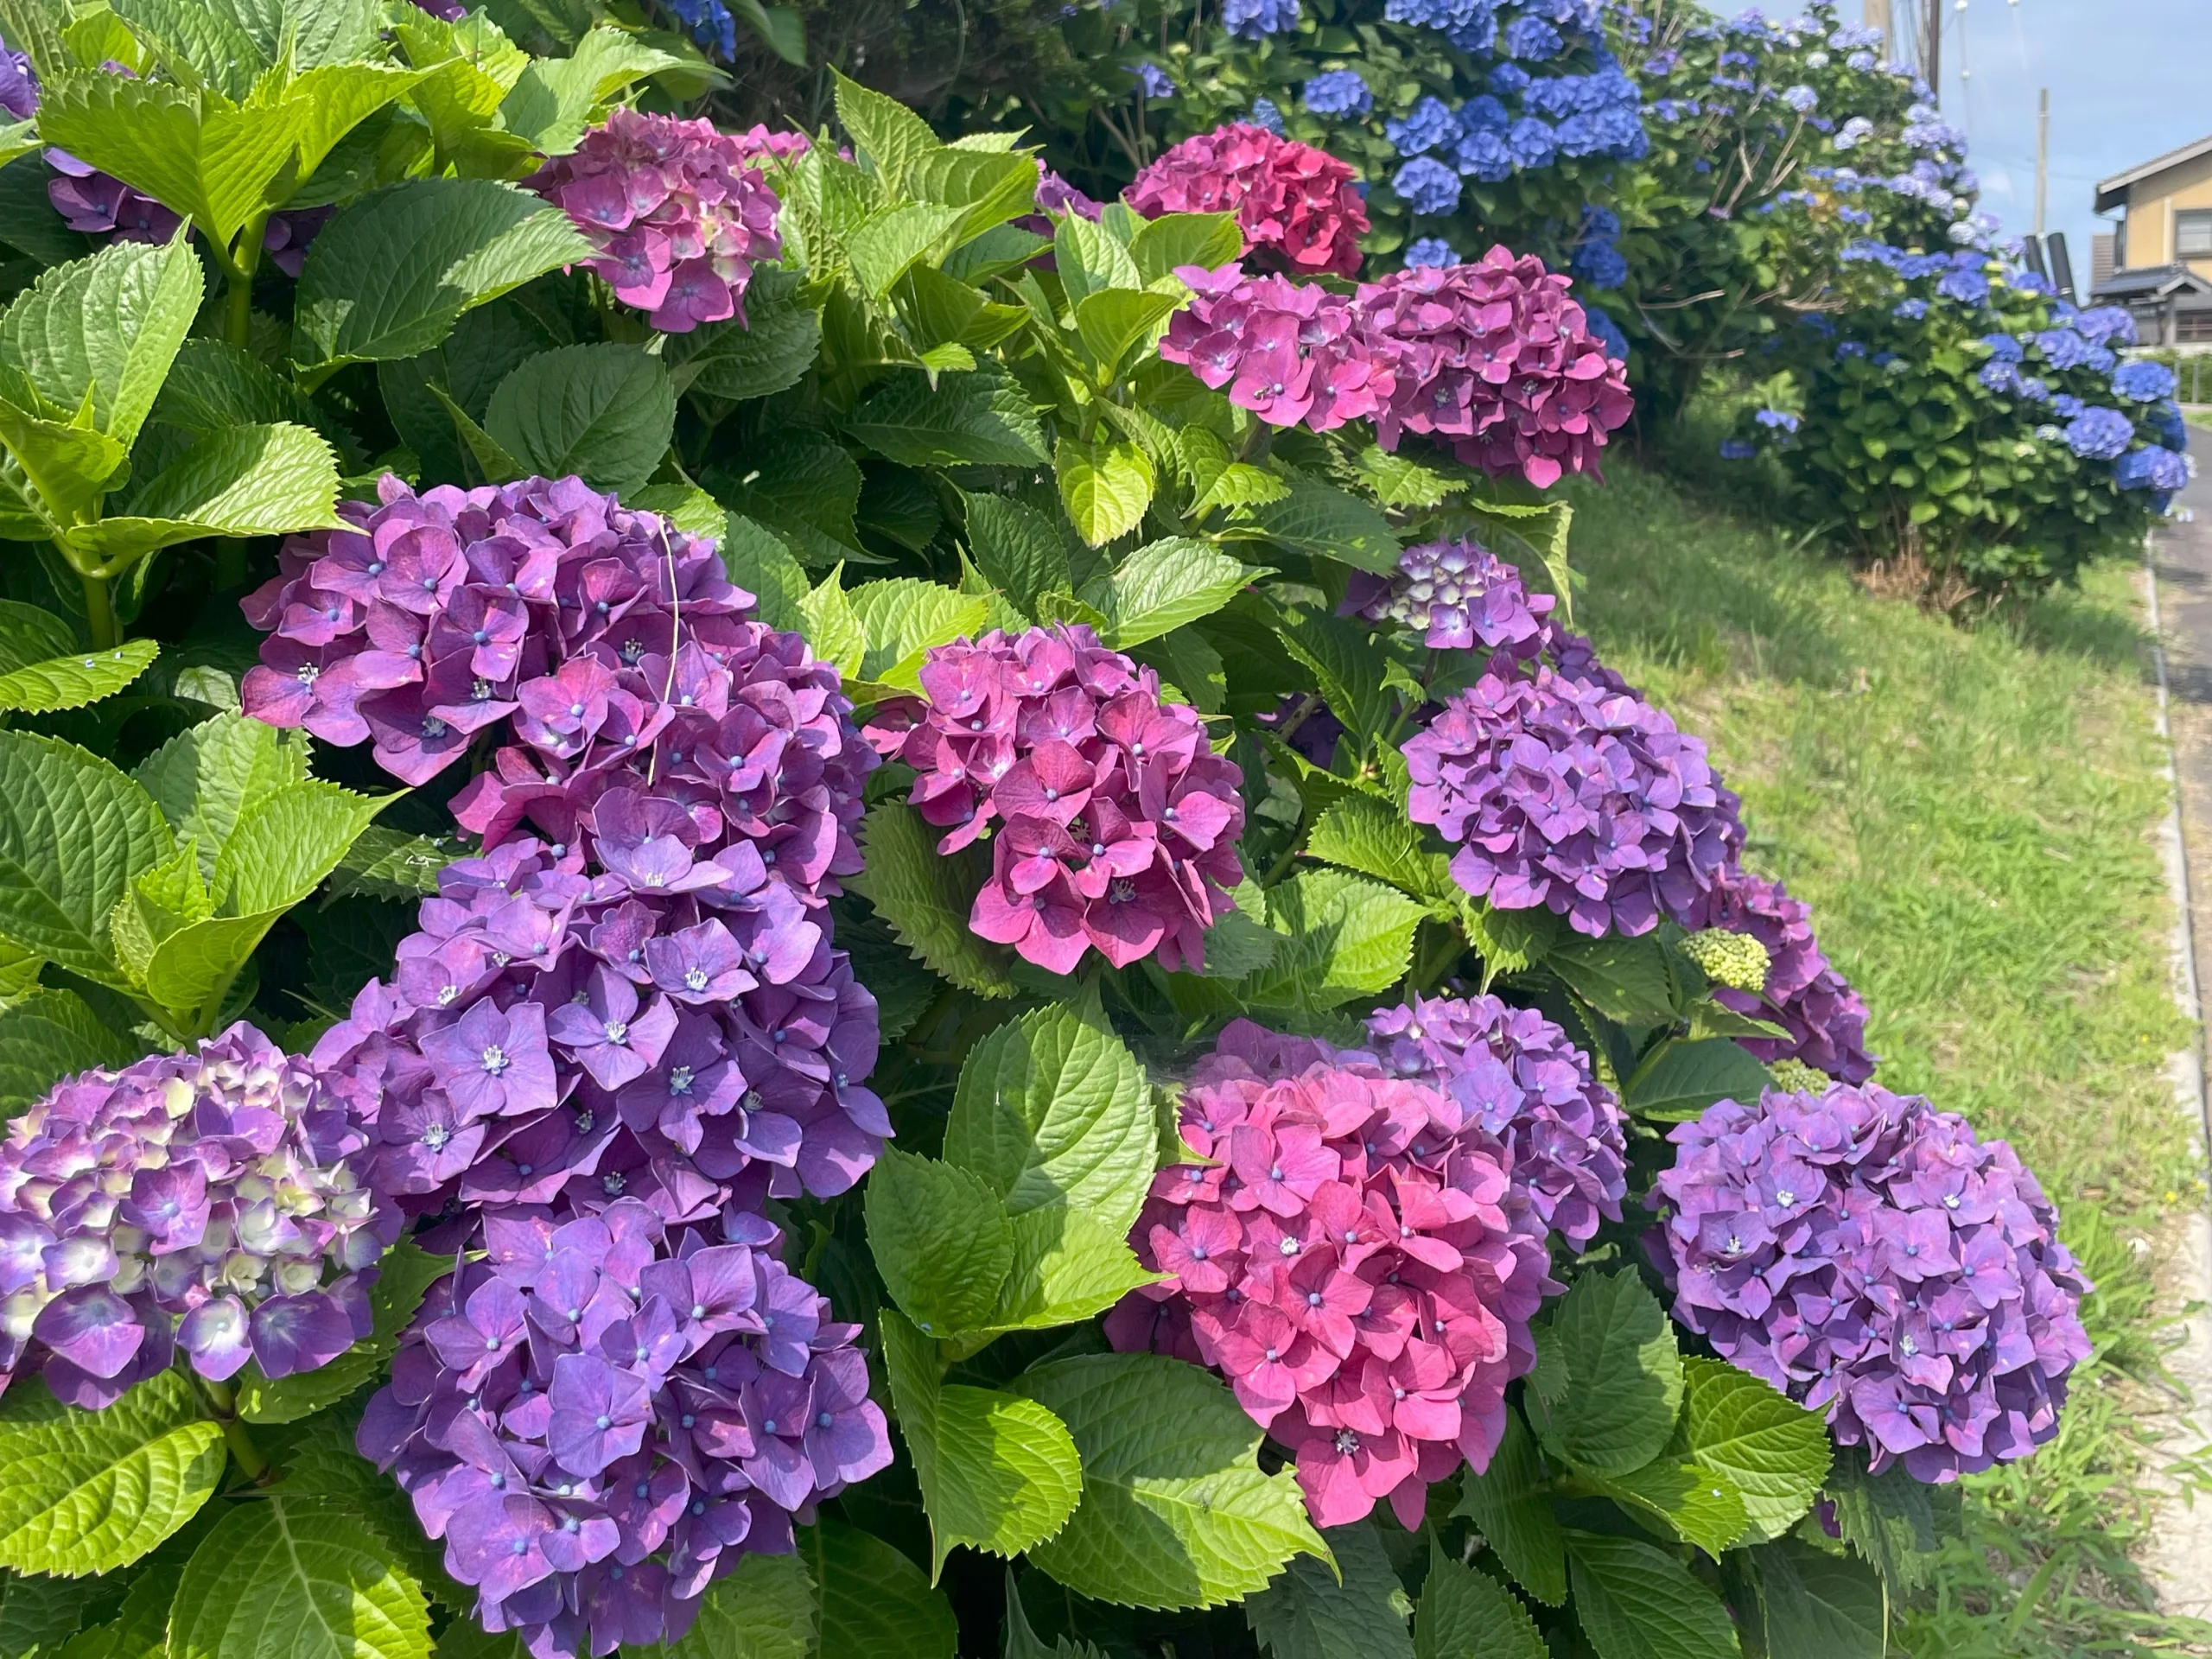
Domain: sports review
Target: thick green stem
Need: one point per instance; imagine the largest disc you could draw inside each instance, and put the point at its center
(238, 302)
(100, 613)
(222, 1404)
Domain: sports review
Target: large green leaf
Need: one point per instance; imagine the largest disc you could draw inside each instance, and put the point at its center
(389, 275)
(1018, 547)
(763, 1610)
(1636, 1602)
(552, 98)
(339, 97)
(997, 1472)
(759, 562)
(1685, 1077)
(1106, 486)
(1626, 979)
(1324, 522)
(886, 131)
(604, 412)
(1090, 258)
(769, 352)
(50, 1035)
(1348, 671)
(941, 1241)
(1165, 245)
(802, 486)
(60, 474)
(1623, 1376)
(1052, 1111)
(1889, 1519)
(199, 45)
(926, 898)
(1175, 1510)
(891, 244)
(981, 418)
(84, 1492)
(203, 778)
(1067, 1265)
(1696, 1504)
(1468, 1615)
(110, 327)
(1355, 1611)
(1820, 1605)
(237, 481)
(903, 618)
(74, 680)
(1775, 1451)
(875, 1603)
(74, 831)
(1507, 1503)
(1367, 835)
(31, 634)
(39, 1614)
(1346, 938)
(1163, 584)
(293, 1578)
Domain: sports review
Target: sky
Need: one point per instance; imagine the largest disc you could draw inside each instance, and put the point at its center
(2127, 81)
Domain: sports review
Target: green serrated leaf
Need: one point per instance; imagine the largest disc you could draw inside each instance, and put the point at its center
(1636, 1602)
(1017, 547)
(1361, 833)
(1357, 1611)
(997, 1472)
(885, 131)
(203, 778)
(981, 419)
(903, 618)
(1684, 1077)
(1695, 1504)
(1815, 1603)
(1626, 979)
(391, 864)
(1508, 1504)
(40, 1615)
(553, 97)
(1346, 938)
(239, 480)
(1067, 1265)
(1889, 1519)
(74, 680)
(284, 844)
(300, 1577)
(48, 1035)
(875, 1603)
(1324, 522)
(926, 898)
(1173, 240)
(1163, 584)
(1467, 1615)
(941, 1240)
(602, 412)
(1624, 1377)
(108, 327)
(74, 831)
(761, 564)
(765, 1609)
(1091, 258)
(890, 244)
(1775, 1451)
(85, 1492)
(1347, 668)
(1106, 486)
(770, 351)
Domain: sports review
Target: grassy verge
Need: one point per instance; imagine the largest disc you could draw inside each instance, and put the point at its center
(1968, 811)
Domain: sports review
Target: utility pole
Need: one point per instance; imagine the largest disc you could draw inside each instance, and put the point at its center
(1931, 48)
(2043, 158)
(1877, 17)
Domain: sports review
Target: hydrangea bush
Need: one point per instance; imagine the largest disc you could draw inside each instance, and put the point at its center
(777, 890)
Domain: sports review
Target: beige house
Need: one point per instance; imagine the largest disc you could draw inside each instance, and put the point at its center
(2162, 248)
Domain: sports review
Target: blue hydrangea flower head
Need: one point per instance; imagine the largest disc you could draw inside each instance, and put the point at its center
(1432, 251)
(1428, 185)
(1509, 78)
(1778, 420)
(1483, 113)
(2143, 381)
(2098, 434)
(1485, 155)
(1338, 92)
(708, 22)
(1266, 116)
(1427, 124)
(2161, 471)
(1533, 144)
(1600, 264)
(1737, 449)
(1470, 25)
(1802, 99)
(1153, 80)
(1967, 287)
(1910, 310)
(1253, 19)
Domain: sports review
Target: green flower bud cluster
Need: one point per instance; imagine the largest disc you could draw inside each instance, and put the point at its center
(1736, 960)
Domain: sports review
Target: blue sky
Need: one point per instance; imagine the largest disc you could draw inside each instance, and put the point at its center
(2128, 79)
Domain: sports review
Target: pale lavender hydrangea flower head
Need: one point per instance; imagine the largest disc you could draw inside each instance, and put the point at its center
(212, 1202)
(1868, 1255)
(1458, 595)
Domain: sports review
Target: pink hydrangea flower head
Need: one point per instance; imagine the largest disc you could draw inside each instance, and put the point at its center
(1871, 1258)
(1458, 595)
(1495, 361)
(230, 1221)
(1113, 823)
(1294, 203)
(1291, 353)
(1804, 994)
(1353, 1258)
(602, 1417)
(1557, 1131)
(679, 216)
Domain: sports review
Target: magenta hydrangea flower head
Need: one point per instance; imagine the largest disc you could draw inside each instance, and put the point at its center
(1458, 595)
(1353, 1259)
(1113, 824)
(1804, 993)
(678, 216)
(1495, 361)
(602, 1417)
(606, 644)
(1869, 1256)
(1526, 1092)
(211, 1201)
(1291, 353)
(1294, 203)
(1576, 795)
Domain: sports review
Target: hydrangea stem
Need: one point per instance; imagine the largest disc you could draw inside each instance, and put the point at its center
(238, 299)
(100, 613)
(222, 1405)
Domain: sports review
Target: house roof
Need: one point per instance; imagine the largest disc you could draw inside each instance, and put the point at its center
(2113, 192)
(2152, 282)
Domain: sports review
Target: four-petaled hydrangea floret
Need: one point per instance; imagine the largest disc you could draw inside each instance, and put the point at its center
(1113, 822)
(1291, 353)
(1293, 203)
(679, 217)
(1456, 594)
(605, 644)
(1556, 1130)
(1735, 962)
(1867, 1255)
(1575, 794)
(673, 1028)
(1803, 993)
(1494, 361)
(1353, 1259)
(212, 1203)
(601, 1418)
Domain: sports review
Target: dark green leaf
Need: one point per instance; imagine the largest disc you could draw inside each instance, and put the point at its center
(1623, 1376)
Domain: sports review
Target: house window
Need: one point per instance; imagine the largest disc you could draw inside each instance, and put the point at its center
(2193, 233)
(2193, 328)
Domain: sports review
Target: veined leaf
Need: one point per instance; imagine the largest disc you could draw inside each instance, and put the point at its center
(1173, 240)
(604, 412)
(1321, 520)
(981, 419)
(1090, 258)
(1018, 547)
(300, 1578)
(903, 620)
(1468, 1615)
(768, 353)
(238, 480)
(1695, 1504)
(204, 777)
(1685, 1077)
(1817, 1603)
(875, 1603)
(1106, 486)
(941, 1241)
(1509, 1507)
(1163, 584)
(74, 680)
(1623, 1371)
(1355, 1610)
(1067, 1265)
(74, 831)
(49, 1035)
(404, 1275)
(553, 97)
(1361, 833)
(109, 327)
(886, 131)
(1775, 1451)
(926, 898)
(763, 1610)
(1346, 937)
(1636, 1602)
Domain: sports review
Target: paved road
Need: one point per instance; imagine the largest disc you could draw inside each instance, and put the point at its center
(2180, 1556)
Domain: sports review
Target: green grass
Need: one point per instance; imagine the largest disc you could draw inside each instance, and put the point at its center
(1970, 812)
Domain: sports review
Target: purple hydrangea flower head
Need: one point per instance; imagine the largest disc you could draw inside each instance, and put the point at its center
(1336, 92)
(1117, 824)
(1497, 361)
(2106, 325)
(1871, 1258)
(1563, 788)
(1354, 1261)
(679, 217)
(231, 1221)
(1456, 593)
(1293, 204)
(1291, 353)
(2100, 434)
(18, 84)
(1803, 992)
(1554, 1127)
(602, 1416)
